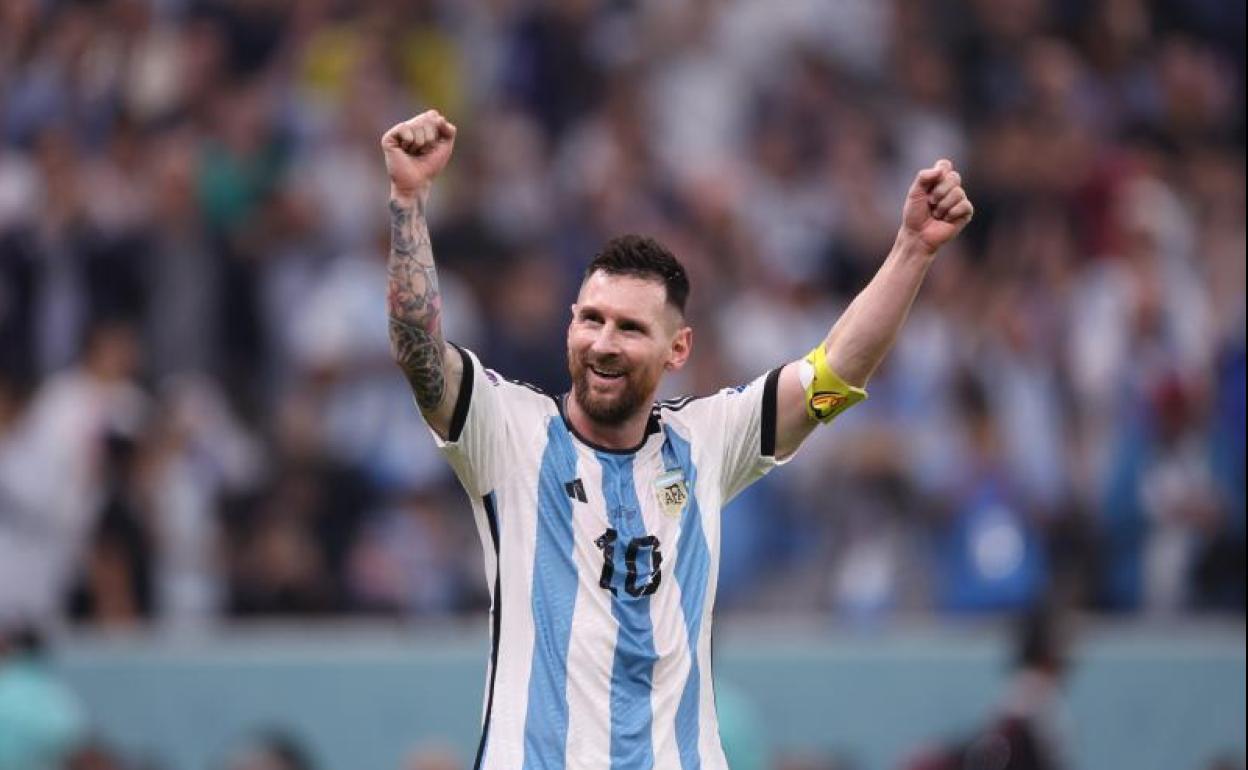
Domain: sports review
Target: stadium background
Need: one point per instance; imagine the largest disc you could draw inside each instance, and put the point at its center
(221, 513)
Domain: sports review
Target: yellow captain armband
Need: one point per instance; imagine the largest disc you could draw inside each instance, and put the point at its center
(827, 395)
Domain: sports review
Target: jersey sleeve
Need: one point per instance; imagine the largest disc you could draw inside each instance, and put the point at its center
(736, 430)
(749, 433)
(480, 429)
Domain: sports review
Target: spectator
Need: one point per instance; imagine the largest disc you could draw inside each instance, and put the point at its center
(41, 720)
(51, 474)
(1031, 729)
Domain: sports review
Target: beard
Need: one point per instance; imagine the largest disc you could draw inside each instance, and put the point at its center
(610, 409)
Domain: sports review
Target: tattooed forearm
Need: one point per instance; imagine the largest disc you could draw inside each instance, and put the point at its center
(415, 304)
(419, 353)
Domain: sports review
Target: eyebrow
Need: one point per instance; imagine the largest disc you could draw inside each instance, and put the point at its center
(623, 321)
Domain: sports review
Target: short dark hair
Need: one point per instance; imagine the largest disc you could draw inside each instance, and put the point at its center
(640, 256)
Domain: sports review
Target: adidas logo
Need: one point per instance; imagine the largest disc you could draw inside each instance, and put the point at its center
(576, 490)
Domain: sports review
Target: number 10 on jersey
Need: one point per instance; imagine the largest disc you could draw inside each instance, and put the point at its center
(607, 543)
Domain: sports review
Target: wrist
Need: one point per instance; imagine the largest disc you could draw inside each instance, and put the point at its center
(406, 196)
(909, 245)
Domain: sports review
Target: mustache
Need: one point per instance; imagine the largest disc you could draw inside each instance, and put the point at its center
(605, 362)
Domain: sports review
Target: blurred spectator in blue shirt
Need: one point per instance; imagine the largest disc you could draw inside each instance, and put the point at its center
(41, 721)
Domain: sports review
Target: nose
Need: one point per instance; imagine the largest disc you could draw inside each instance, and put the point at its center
(606, 341)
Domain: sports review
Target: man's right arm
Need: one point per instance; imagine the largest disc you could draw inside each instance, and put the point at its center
(416, 151)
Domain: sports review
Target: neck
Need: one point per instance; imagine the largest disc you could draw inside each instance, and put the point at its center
(623, 436)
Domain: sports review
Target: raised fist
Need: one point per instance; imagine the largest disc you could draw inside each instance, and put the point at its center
(936, 207)
(416, 150)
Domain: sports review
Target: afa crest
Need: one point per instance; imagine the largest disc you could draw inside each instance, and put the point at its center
(671, 493)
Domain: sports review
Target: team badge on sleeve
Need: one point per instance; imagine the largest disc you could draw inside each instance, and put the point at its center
(671, 493)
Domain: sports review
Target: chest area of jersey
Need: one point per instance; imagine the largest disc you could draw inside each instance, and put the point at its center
(637, 492)
(632, 518)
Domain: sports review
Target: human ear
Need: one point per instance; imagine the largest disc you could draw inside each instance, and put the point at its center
(681, 347)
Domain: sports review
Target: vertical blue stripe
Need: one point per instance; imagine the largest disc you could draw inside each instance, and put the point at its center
(554, 598)
(692, 571)
(632, 673)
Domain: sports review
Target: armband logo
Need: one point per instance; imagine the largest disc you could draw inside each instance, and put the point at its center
(825, 403)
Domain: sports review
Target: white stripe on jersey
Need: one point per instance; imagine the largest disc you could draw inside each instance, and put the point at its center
(505, 740)
(708, 724)
(591, 651)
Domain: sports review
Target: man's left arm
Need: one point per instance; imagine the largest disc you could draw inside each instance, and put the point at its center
(936, 210)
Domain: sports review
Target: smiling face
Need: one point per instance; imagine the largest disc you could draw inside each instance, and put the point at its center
(623, 336)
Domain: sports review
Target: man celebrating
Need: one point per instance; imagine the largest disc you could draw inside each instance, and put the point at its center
(599, 510)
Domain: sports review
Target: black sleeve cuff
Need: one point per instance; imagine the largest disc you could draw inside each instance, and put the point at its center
(767, 431)
(460, 415)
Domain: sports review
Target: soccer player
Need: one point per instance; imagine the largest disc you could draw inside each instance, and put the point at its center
(599, 510)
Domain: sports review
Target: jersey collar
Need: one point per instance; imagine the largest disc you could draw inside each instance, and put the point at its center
(653, 426)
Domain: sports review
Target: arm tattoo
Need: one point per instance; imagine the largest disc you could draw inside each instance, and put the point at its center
(415, 305)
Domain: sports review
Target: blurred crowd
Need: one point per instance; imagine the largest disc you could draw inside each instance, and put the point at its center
(199, 417)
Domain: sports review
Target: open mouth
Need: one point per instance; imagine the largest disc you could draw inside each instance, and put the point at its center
(606, 374)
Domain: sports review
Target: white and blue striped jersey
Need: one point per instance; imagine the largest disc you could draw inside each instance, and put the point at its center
(602, 566)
